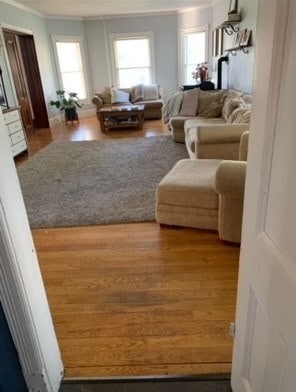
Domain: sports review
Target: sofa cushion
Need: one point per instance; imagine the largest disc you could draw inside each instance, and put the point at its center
(151, 104)
(190, 103)
(105, 95)
(178, 121)
(210, 103)
(190, 183)
(150, 92)
(119, 96)
(137, 93)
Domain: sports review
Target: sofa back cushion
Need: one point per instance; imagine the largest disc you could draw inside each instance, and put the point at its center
(241, 115)
(190, 103)
(210, 103)
(137, 93)
(119, 96)
(150, 92)
(232, 102)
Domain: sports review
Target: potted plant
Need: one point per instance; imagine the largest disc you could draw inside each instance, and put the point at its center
(201, 72)
(68, 102)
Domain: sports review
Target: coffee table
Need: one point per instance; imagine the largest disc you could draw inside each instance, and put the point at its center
(129, 116)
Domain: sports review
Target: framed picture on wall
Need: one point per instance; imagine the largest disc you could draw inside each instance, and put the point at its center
(247, 37)
(217, 42)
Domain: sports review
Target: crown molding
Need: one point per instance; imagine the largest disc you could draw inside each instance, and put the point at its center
(199, 7)
(131, 15)
(23, 7)
(59, 17)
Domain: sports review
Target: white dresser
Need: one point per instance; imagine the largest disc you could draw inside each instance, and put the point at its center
(15, 129)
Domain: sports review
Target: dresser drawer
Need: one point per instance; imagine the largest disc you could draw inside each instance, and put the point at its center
(14, 127)
(11, 116)
(17, 137)
(19, 147)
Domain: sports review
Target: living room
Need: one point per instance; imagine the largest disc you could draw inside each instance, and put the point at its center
(166, 28)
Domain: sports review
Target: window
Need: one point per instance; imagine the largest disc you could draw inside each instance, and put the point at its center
(194, 51)
(70, 64)
(132, 60)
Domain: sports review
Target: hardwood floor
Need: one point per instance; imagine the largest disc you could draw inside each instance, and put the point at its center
(136, 299)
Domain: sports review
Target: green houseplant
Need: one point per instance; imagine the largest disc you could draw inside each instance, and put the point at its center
(68, 102)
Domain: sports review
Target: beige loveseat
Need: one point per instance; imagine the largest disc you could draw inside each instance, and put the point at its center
(204, 120)
(150, 96)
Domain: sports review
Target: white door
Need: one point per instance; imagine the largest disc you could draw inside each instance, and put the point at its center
(265, 342)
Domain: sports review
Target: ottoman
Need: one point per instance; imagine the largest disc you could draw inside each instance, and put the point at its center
(186, 196)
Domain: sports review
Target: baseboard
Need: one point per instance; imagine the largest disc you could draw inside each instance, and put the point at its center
(56, 120)
(82, 113)
(137, 379)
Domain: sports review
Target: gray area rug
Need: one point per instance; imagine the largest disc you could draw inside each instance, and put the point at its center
(96, 182)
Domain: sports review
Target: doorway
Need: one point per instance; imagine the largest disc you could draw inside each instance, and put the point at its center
(24, 66)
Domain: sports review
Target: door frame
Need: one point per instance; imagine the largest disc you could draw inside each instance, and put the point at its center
(269, 68)
(20, 30)
(33, 108)
(22, 291)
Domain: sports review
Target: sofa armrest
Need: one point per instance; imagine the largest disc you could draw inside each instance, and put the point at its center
(96, 100)
(230, 178)
(220, 133)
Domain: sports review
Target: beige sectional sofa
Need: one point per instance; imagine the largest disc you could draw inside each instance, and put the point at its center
(150, 96)
(219, 121)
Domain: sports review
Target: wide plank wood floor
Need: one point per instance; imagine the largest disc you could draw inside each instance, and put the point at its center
(136, 299)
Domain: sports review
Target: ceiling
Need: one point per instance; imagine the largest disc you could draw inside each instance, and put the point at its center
(100, 8)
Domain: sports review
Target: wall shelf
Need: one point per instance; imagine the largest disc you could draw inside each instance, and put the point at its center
(230, 27)
(243, 48)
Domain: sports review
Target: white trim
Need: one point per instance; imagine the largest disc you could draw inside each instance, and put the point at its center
(61, 17)
(82, 113)
(108, 56)
(145, 34)
(197, 8)
(18, 29)
(23, 7)
(131, 15)
(272, 106)
(203, 28)
(77, 39)
(22, 291)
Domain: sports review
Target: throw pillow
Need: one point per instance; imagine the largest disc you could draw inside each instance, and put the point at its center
(229, 106)
(105, 95)
(190, 103)
(119, 96)
(137, 93)
(240, 115)
(150, 92)
(210, 103)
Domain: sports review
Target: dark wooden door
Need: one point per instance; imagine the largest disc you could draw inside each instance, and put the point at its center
(20, 84)
(31, 67)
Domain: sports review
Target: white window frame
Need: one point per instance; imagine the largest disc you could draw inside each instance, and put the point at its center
(75, 39)
(144, 35)
(183, 33)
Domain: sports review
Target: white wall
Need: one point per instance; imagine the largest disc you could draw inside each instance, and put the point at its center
(239, 72)
(164, 29)
(97, 54)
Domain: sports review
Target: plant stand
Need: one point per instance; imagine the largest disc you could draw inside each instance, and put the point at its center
(71, 115)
